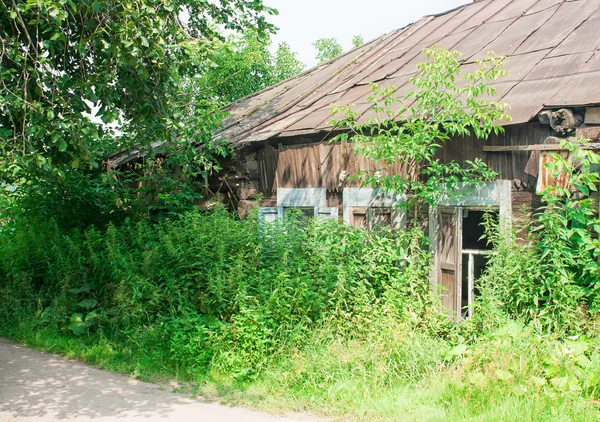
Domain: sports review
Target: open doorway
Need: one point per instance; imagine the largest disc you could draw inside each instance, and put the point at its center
(475, 254)
(461, 255)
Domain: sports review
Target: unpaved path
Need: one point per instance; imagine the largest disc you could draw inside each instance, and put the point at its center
(36, 386)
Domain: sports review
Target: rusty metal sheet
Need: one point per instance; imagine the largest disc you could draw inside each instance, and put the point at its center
(559, 66)
(545, 178)
(354, 95)
(491, 8)
(313, 120)
(416, 56)
(509, 40)
(392, 66)
(569, 16)
(379, 55)
(513, 10)
(397, 55)
(455, 22)
(323, 101)
(480, 38)
(519, 67)
(543, 5)
(584, 38)
(527, 98)
(581, 89)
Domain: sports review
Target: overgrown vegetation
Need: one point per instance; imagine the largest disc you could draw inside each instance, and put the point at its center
(322, 317)
(241, 66)
(316, 315)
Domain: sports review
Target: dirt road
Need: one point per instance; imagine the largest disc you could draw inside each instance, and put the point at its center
(35, 386)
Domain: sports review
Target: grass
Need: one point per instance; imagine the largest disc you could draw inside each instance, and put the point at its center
(359, 380)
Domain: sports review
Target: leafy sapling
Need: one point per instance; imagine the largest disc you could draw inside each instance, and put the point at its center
(413, 128)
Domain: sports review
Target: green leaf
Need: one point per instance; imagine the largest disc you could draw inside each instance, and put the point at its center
(87, 303)
(77, 325)
(503, 375)
(83, 289)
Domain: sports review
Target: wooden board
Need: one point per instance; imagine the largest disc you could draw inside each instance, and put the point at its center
(592, 115)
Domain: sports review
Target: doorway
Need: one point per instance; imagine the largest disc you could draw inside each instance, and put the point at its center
(475, 254)
(461, 255)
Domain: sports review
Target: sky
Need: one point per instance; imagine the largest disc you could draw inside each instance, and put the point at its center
(302, 22)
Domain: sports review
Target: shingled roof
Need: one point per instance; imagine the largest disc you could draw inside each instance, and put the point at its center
(551, 45)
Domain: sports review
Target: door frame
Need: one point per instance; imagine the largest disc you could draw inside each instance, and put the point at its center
(485, 195)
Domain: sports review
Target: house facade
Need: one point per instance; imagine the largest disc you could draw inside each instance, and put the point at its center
(282, 133)
(553, 89)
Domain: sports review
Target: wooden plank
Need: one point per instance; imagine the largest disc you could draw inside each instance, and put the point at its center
(449, 258)
(592, 115)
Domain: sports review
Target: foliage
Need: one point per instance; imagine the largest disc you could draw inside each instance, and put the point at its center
(317, 315)
(412, 129)
(357, 41)
(554, 277)
(243, 65)
(327, 49)
(241, 288)
(122, 60)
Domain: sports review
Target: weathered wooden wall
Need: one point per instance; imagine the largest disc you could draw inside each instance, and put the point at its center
(320, 164)
(510, 165)
(325, 165)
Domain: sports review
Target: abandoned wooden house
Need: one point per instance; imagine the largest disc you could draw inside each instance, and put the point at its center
(282, 133)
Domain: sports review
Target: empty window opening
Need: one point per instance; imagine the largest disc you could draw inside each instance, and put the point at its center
(304, 212)
(475, 255)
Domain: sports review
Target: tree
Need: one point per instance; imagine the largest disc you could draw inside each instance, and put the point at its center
(243, 65)
(357, 41)
(286, 64)
(327, 49)
(412, 129)
(125, 60)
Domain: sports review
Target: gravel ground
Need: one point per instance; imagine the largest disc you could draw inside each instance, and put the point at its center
(36, 386)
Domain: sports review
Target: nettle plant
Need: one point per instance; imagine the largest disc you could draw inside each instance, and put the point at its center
(412, 129)
(567, 231)
(554, 278)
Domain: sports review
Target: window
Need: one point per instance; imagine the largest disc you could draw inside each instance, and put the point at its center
(369, 209)
(359, 218)
(310, 202)
(307, 212)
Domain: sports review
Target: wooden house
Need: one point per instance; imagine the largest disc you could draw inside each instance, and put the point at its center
(282, 133)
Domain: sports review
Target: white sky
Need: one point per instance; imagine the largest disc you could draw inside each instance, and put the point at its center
(302, 22)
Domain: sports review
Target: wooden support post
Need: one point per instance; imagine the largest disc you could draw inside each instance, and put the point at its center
(471, 287)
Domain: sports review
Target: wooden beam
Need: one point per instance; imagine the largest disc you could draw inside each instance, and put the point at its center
(591, 132)
(537, 147)
(514, 148)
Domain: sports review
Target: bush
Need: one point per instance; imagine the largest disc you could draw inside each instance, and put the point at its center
(217, 293)
(317, 314)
